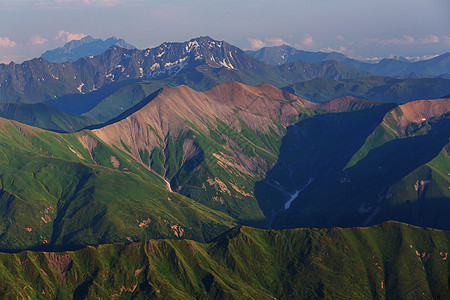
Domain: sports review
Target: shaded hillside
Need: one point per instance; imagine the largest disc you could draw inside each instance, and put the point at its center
(317, 146)
(396, 170)
(44, 116)
(119, 100)
(374, 88)
(387, 261)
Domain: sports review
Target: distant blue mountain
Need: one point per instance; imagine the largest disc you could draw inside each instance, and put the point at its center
(87, 46)
(278, 55)
(396, 66)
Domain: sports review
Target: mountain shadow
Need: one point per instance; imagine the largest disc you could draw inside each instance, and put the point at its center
(316, 146)
(82, 103)
(128, 112)
(361, 194)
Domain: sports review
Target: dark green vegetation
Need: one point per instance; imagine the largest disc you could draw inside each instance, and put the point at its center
(44, 116)
(373, 88)
(387, 261)
(62, 191)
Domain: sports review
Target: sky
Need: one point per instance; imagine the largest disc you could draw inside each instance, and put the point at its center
(362, 29)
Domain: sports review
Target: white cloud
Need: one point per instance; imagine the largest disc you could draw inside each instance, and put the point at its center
(106, 2)
(341, 49)
(37, 40)
(374, 59)
(430, 39)
(67, 36)
(447, 40)
(423, 57)
(6, 42)
(6, 59)
(256, 44)
(407, 40)
(430, 56)
(307, 40)
(276, 41)
(101, 2)
(340, 37)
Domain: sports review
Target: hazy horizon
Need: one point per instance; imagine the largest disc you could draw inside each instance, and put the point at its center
(366, 30)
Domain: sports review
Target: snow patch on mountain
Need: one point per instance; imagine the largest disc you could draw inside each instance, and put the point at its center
(169, 68)
(80, 88)
(227, 64)
(122, 68)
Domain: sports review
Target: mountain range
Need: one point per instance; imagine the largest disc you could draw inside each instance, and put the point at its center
(278, 55)
(105, 85)
(87, 46)
(136, 173)
(200, 63)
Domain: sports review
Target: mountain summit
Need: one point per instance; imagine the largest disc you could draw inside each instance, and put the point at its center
(87, 46)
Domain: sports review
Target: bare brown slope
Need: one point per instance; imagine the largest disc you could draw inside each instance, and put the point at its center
(347, 103)
(416, 112)
(174, 111)
(240, 94)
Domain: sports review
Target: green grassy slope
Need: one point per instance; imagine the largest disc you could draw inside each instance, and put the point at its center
(388, 261)
(60, 191)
